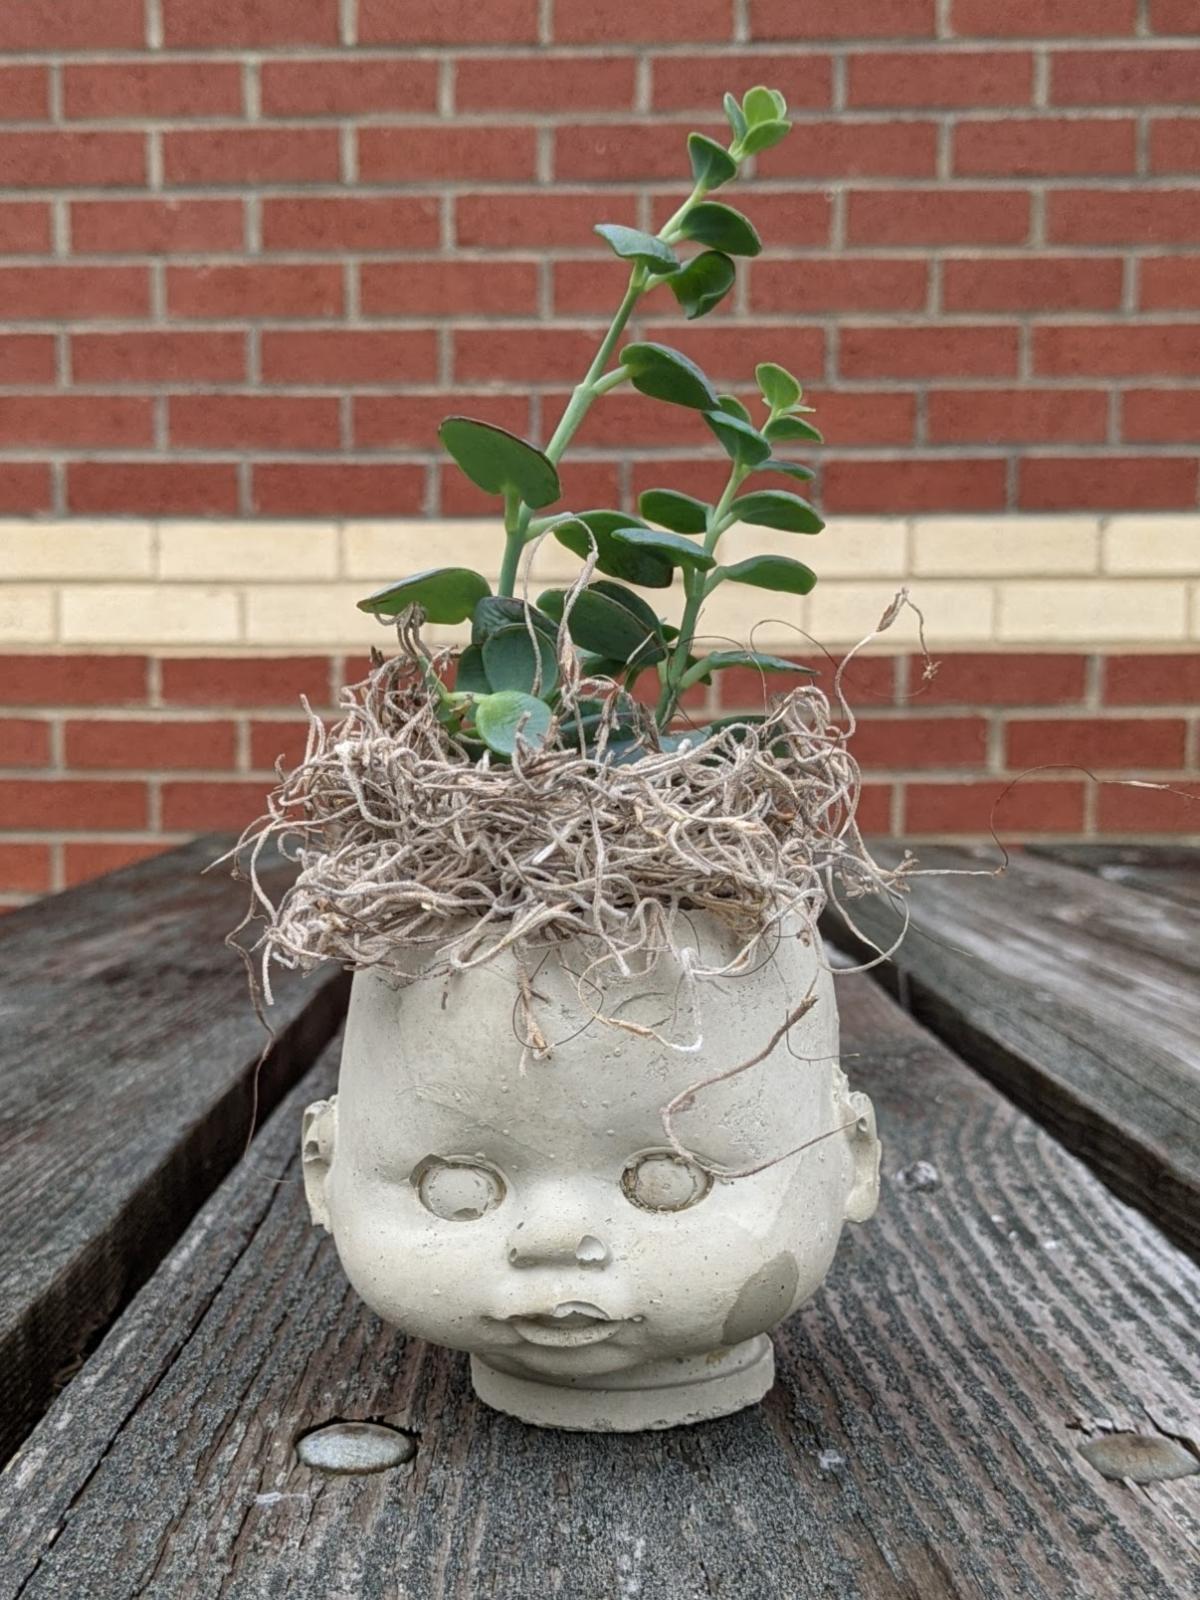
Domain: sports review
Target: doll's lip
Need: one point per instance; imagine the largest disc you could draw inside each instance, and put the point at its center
(567, 1327)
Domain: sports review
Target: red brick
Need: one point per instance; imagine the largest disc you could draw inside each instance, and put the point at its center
(226, 24)
(831, 149)
(330, 86)
(71, 804)
(522, 355)
(933, 352)
(271, 740)
(74, 294)
(1036, 19)
(1035, 806)
(1174, 16)
(351, 223)
(95, 91)
(123, 744)
(447, 154)
(1046, 283)
(1123, 216)
(1175, 144)
(1001, 679)
(1160, 416)
(615, 22)
(782, 216)
(73, 25)
(1175, 809)
(585, 483)
(201, 807)
(1152, 680)
(76, 419)
(626, 152)
(152, 488)
(26, 358)
(1104, 744)
(1117, 350)
(1134, 77)
(727, 352)
(704, 476)
(250, 421)
(595, 286)
(1107, 483)
(24, 228)
(392, 422)
(907, 742)
(91, 858)
(883, 488)
(23, 94)
(24, 742)
(153, 358)
(335, 357)
(625, 418)
(852, 417)
(868, 679)
(24, 487)
(311, 489)
(697, 83)
(542, 83)
(73, 680)
(450, 288)
(246, 681)
(1032, 147)
(452, 22)
(72, 160)
(251, 155)
(155, 227)
(929, 78)
(1169, 283)
(938, 216)
(25, 867)
(511, 221)
(874, 814)
(312, 290)
(850, 19)
(1017, 416)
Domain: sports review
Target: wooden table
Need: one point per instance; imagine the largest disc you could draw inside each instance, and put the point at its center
(171, 1324)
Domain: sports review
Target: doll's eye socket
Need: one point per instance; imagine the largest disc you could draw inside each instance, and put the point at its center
(660, 1180)
(457, 1189)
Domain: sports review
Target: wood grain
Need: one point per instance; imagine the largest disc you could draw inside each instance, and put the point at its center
(128, 1049)
(1080, 998)
(1169, 872)
(921, 1442)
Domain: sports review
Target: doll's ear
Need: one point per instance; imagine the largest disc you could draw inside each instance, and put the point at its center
(318, 1135)
(865, 1153)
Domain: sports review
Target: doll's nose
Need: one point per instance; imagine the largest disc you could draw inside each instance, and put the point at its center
(530, 1247)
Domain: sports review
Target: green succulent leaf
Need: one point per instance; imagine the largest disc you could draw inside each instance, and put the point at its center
(671, 509)
(734, 407)
(667, 374)
(764, 136)
(501, 719)
(763, 105)
(777, 386)
(776, 508)
(772, 572)
(607, 625)
(712, 165)
(498, 611)
(618, 560)
(736, 117)
(498, 462)
(445, 594)
(754, 658)
(785, 429)
(741, 442)
(471, 676)
(631, 244)
(513, 661)
(703, 283)
(673, 547)
(790, 469)
(642, 609)
(721, 228)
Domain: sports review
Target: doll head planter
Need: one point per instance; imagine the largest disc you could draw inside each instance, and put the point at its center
(538, 1216)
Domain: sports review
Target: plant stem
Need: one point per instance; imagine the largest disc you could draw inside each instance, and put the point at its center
(514, 539)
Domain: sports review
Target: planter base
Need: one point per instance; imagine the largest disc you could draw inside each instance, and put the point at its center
(663, 1394)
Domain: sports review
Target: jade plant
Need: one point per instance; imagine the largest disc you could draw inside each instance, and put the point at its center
(510, 684)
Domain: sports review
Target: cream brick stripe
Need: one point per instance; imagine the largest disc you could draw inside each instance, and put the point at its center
(243, 585)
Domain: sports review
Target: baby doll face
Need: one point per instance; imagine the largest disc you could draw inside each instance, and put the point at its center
(540, 1219)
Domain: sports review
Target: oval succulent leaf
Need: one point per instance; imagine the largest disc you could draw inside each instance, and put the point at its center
(445, 594)
(471, 676)
(619, 561)
(790, 469)
(734, 407)
(736, 117)
(764, 136)
(772, 572)
(784, 429)
(498, 611)
(712, 165)
(722, 228)
(739, 440)
(763, 105)
(642, 609)
(673, 547)
(497, 461)
(607, 626)
(631, 244)
(703, 283)
(512, 661)
(667, 374)
(776, 508)
(754, 658)
(501, 719)
(671, 509)
(777, 386)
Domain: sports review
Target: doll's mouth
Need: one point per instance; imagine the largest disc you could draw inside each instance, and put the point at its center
(567, 1327)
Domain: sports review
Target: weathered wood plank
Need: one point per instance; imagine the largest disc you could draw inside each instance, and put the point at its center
(1170, 872)
(922, 1439)
(1080, 998)
(128, 1053)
